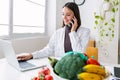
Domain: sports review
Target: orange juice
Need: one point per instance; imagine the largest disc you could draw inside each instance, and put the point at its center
(92, 51)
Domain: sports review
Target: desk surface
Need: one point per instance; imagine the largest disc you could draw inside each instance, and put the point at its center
(7, 72)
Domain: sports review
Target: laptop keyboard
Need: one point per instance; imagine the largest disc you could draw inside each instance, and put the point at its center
(25, 64)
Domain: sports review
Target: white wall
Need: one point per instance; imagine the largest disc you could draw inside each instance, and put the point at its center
(27, 45)
(51, 17)
(119, 39)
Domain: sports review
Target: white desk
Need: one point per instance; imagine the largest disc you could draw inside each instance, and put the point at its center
(7, 72)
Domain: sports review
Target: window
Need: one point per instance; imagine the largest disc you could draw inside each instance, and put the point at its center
(4, 17)
(22, 17)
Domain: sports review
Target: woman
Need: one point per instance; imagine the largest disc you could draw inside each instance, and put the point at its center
(71, 37)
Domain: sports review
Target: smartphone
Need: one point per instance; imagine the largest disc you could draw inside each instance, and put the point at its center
(70, 24)
(117, 72)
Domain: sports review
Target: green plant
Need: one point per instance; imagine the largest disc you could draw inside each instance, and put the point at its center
(104, 25)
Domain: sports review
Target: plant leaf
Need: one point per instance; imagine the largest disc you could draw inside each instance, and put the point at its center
(113, 19)
(113, 10)
(96, 22)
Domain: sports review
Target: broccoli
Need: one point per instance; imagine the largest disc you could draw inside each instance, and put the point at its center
(70, 65)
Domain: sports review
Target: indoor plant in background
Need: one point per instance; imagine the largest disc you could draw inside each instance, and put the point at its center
(105, 21)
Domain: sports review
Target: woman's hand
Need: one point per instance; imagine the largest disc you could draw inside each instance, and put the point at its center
(25, 56)
(74, 25)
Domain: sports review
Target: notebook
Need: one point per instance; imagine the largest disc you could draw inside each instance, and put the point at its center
(10, 55)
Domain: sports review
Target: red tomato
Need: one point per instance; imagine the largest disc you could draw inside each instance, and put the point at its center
(92, 61)
(48, 77)
(35, 78)
(44, 70)
(38, 78)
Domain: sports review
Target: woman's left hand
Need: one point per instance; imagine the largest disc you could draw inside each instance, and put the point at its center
(74, 25)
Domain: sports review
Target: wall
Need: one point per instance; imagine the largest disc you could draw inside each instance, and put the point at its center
(108, 46)
(27, 45)
(51, 17)
(119, 39)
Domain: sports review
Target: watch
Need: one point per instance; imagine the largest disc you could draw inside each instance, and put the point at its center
(79, 2)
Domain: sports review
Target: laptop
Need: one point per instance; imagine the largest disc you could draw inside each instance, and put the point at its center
(12, 60)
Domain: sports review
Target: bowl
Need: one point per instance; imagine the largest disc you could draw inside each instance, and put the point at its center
(108, 74)
(56, 77)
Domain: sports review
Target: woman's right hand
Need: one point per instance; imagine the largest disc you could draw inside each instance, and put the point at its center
(25, 56)
(75, 24)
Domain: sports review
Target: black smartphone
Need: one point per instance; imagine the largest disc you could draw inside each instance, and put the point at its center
(70, 24)
(117, 71)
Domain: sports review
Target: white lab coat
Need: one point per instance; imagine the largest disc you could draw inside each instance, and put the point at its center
(55, 46)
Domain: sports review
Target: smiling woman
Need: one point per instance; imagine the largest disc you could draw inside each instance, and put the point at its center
(65, 39)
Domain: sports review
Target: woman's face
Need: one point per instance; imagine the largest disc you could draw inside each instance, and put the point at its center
(67, 16)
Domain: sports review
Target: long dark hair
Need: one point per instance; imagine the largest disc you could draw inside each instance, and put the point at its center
(74, 7)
